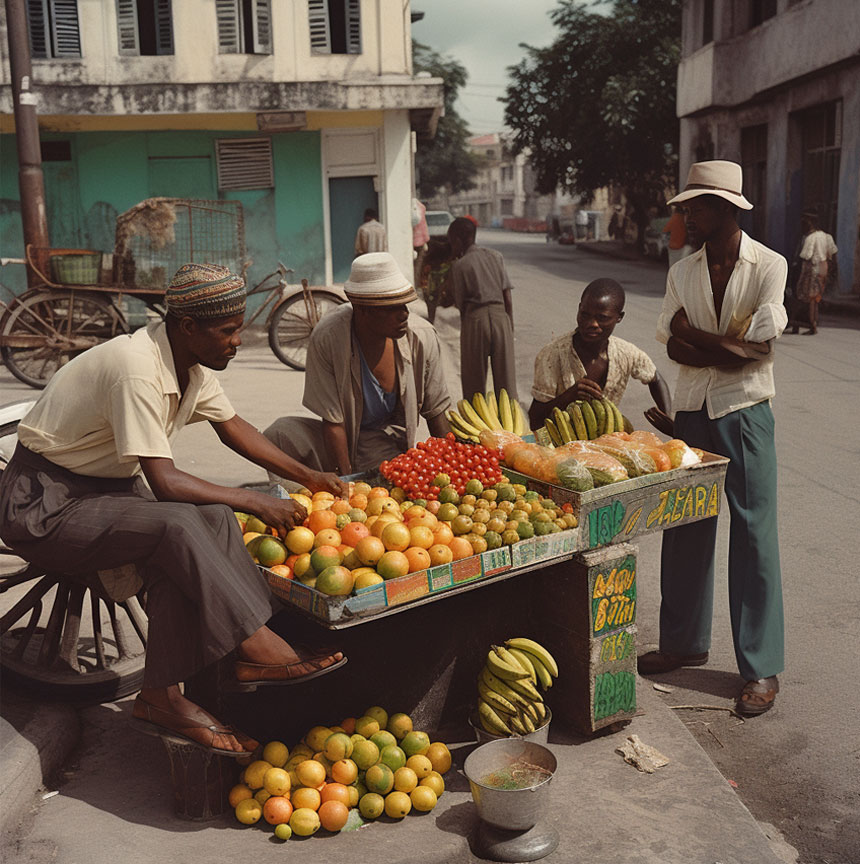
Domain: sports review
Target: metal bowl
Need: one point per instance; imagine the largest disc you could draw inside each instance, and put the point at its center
(511, 809)
(539, 736)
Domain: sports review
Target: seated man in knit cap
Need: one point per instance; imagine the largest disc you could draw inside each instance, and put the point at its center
(373, 369)
(73, 500)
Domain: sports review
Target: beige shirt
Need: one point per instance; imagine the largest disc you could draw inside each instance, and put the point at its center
(818, 246)
(370, 237)
(558, 367)
(479, 278)
(333, 375)
(118, 401)
(752, 305)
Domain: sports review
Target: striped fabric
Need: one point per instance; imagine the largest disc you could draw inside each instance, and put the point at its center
(205, 291)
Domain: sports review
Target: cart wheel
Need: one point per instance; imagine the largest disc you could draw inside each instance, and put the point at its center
(43, 330)
(64, 639)
(290, 327)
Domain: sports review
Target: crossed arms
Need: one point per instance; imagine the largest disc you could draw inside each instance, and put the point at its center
(694, 347)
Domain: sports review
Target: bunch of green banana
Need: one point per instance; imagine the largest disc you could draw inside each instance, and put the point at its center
(509, 702)
(487, 412)
(585, 420)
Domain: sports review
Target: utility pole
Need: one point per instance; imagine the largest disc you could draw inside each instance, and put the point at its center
(31, 181)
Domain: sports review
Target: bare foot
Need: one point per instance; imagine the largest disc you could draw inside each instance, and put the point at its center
(266, 647)
(170, 699)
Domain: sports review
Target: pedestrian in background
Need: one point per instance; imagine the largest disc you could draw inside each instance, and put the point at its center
(677, 230)
(370, 236)
(816, 251)
(722, 310)
(420, 239)
(482, 292)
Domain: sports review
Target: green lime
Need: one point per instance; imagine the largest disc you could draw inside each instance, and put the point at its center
(283, 831)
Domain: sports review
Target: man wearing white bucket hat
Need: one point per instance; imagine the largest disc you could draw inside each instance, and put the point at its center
(722, 310)
(373, 369)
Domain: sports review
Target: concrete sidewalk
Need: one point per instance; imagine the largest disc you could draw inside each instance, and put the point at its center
(114, 804)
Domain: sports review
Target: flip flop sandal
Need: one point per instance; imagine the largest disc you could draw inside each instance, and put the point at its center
(280, 674)
(149, 726)
(757, 697)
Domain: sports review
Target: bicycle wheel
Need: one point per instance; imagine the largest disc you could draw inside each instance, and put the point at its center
(43, 330)
(290, 327)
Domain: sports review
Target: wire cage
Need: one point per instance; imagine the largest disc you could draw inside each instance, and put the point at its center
(156, 237)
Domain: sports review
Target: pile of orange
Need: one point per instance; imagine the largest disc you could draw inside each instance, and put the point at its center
(375, 764)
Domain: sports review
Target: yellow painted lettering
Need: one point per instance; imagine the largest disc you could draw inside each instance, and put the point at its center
(600, 619)
(680, 496)
(657, 513)
(701, 500)
(714, 501)
(599, 587)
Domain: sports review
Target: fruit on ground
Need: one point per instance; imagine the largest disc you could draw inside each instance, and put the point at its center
(439, 756)
(423, 798)
(365, 754)
(338, 746)
(306, 797)
(366, 726)
(277, 810)
(421, 765)
(344, 771)
(393, 757)
(255, 773)
(262, 796)
(383, 738)
(335, 792)
(405, 779)
(435, 781)
(379, 778)
(415, 743)
(283, 832)
(399, 725)
(333, 815)
(304, 822)
(397, 805)
(371, 805)
(276, 781)
(240, 792)
(249, 811)
(311, 773)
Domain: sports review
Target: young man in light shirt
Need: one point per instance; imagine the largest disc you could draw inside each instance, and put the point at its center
(722, 310)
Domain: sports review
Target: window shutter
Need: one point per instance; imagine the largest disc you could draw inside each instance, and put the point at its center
(163, 27)
(244, 163)
(262, 23)
(37, 19)
(318, 21)
(227, 14)
(353, 26)
(126, 24)
(66, 33)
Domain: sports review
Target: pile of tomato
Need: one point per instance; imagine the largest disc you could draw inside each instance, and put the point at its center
(416, 470)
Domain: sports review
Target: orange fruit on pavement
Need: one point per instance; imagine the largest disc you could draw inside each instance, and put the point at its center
(440, 553)
(421, 536)
(405, 779)
(333, 815)
(439, 756)
(311, 773)
(415, 742)
(379, 714)
(423, 798)
(262, 796)
(393, 564)
(418, 558)
(395, 537)
(400, 725)
(277, 810)
(443, 534)
(344, 771)
(249, 811)
(304, 822)
(300, 540)
(324, 556)
(397, 805)
(354, 796)
(328, 537)
(353, 532)
(348, 725)
(421, 765)
(338, 746)
(335, 792)
(364, 753)
(255, 772)
(379, 778)
(371, 805)
(335, 581)
(369, 551)
(460, 548)
(435, 782)
(276, 781)
(304, 796)
(240, 792)
(366, 726)
(276, 753)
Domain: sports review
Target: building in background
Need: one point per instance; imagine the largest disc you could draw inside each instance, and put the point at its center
(302, 110)
(775, 86)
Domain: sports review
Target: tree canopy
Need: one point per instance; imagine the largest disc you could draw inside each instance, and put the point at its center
(444, 161)
(597, 106)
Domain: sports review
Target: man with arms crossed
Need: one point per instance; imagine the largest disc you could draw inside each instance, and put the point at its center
(722, 310)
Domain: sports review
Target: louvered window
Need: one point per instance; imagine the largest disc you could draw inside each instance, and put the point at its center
(144, 27)
(244, 163)
(244, 26)
(335, 26)
(54, 28)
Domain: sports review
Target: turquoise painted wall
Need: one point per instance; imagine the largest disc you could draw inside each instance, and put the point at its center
(112, 171)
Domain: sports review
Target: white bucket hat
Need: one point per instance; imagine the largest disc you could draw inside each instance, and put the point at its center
(717, 177)
(376, 280)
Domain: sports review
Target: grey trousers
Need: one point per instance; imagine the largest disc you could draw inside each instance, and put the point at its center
(204, 594)
(486, 333)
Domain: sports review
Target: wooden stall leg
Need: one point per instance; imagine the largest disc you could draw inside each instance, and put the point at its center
(586, 613)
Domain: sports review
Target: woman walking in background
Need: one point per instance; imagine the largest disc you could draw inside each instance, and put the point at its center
(816, 250)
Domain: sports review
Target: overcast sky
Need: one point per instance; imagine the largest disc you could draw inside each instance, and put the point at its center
(485, 36)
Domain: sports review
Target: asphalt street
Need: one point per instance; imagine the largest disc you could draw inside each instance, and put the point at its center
(797, 767)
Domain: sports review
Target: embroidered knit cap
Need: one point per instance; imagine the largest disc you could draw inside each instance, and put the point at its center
(376, 280)
(205, 291)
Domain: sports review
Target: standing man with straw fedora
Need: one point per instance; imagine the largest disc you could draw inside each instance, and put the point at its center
(722, 311)
(373, 370)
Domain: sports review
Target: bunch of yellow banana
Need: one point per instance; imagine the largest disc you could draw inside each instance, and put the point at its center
(585, 420)
(487, 412)
(509, 702)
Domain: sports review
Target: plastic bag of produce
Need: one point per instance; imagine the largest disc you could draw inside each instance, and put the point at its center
(645, 437)
(633, 458)
(497, 440)
(604, 468)
(680, 455)
(572, 474)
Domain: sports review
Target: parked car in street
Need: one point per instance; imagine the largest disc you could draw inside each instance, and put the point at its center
(438, 222)
(656, 242)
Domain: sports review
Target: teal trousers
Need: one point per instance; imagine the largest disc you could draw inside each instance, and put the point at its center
(755, 583)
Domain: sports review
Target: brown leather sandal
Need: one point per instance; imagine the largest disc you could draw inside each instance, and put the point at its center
(152, 720)
(758, 696)
(261, 674)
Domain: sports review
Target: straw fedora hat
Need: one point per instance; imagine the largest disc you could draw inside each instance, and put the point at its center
(717, 177)
(376, 280)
